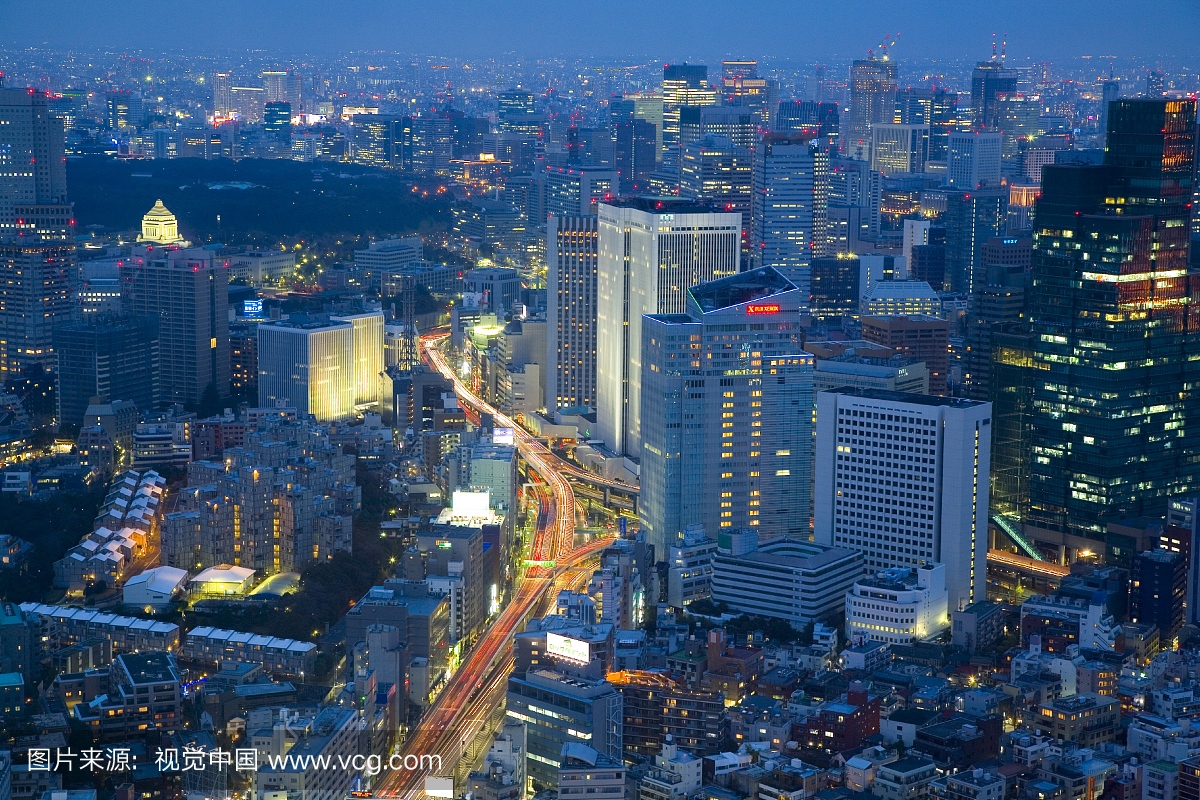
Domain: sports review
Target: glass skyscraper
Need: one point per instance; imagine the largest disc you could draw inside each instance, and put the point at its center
(1116, 423)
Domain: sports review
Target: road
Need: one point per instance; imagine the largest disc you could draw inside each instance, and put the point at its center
(473, 693)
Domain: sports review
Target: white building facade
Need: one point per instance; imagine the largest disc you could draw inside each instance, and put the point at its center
(650, 252)
(903, 479)
(900, 606)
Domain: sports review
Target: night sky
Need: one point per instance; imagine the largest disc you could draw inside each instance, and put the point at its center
(617, 28)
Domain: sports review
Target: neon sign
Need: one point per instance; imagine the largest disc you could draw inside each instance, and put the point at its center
(762, 308)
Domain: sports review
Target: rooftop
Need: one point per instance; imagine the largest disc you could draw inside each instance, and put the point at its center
(738, 289)
(149, 667)
(906, 397)
(664, 205)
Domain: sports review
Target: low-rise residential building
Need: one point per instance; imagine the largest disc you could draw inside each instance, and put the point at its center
(587, 774)
(689, 565)
(59, 626)
(1087, 720)
(971, 784)
(332, 732)
(906, 779)
(141, 692)
(977, 626)
(279, 656)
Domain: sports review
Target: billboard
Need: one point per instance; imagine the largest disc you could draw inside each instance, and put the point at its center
(568, 648)
(502, 436)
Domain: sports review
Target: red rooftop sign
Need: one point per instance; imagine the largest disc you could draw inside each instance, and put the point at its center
(762, 308)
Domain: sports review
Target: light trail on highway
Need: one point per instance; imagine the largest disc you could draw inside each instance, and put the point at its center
(472, 694)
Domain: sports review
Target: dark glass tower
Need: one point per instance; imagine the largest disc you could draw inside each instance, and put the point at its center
(1116, 419)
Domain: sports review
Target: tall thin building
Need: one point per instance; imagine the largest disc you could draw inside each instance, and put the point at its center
(872, 101)
(37, 248)
(683, 86)
(972, 219)
(33, 168)
(650, 252)
(1116, 421)
(725, 429)
(903, 479)
(571, 252)
(222, 85)
(1154, 83)
(997, 302)
(646, 106)
(789, 207)
(636, 152)
(367, 367)
(188, 292)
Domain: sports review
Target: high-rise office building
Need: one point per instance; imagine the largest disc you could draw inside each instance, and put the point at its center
(35, 296)
(683, 86)
(973, 160)
(636, 152)
(222, 83)
(275, 84)
(571, 253)
(899, 148)
(37, 248)
(789, 207)
(1010, 390)
(1017, 119)
(725, 432)
(575, 191)
(188, 292)
(295, 91)
(821, 120)
(367, 367)
(742, 87)
(123, 110)
(717, 170)
(835, 282)
(736, 124)
(650, 252)
(1154, 83)
(922, 338)
(516, 113)
(997, 302)
(872, 101)
(1158, 589)
(432, 145)
(903, 479)
(1116, 425)
(106, 357)
(646, 106)
(277, 119)
(989, 80)
(32, 164)
(972, 219)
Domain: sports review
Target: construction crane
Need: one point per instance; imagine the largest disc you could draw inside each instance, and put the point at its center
(888, 41)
